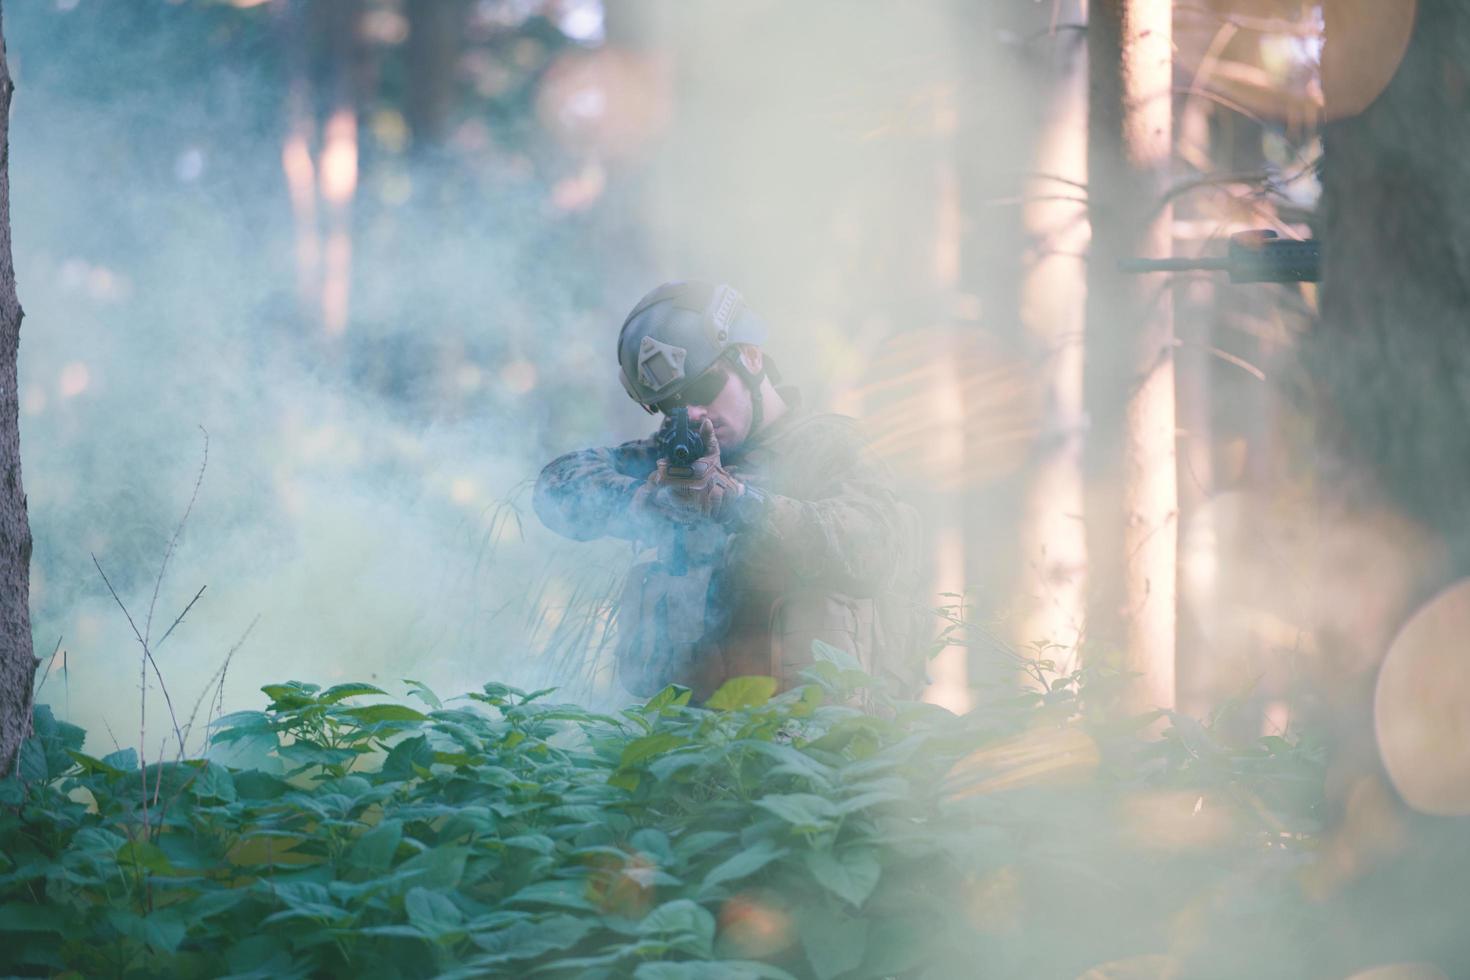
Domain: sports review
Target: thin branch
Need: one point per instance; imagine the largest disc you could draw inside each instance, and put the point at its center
(181, 616)
(1229, 358)
(112, 735)
(49, 661)
(1024, 199)
(1255, 25)
(174, 541)
(1058, 178)
(147, 660)
(217, 679)
(1219, 99)
(1255, 178)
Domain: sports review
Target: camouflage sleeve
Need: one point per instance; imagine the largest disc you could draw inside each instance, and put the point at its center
(850, 536)
(585, 494)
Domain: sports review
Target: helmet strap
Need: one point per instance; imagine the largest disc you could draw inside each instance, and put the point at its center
(753, 380)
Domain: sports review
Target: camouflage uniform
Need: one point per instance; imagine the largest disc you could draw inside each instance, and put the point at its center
(829, 555)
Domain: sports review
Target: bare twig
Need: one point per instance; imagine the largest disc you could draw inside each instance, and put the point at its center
(1057, 178)
(1022, 199)
(181, 616)
(216, 682)
(1255, 25)
(1227, 357)
(112, 735)
(168, 552)
(1253, 179)
(147, 660)
(49, 661)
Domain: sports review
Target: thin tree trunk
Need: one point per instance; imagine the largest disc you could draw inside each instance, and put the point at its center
(17, 659)
(1053, 293)
(1131, 499)
(433, 58)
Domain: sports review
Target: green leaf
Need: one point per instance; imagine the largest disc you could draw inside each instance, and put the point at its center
(30, 917)
(432, 912)
(351, 690)
(31, 764)
(890, 790)
(300, 755)
(241, 721)
(896, 945)
(406, 759)
(374, 850)
(144, 855)
(804, 811)
(439, 867)
(376, 713)
(649, 746)
(214, 783)
(742, 865)
(742, 692)
(246, 749)
(851, 873)
(91, 765)
(655, 843)
(255, 785)
(717, 970)
(539, 843)
(421, 691)
(700, 841)
(673, 696)
(666, 767)
(685, 925)
(824, 652)
(292, 694)
(834, 943)
(123, 760)
(561, 894)
(528, 938)
(162, 930)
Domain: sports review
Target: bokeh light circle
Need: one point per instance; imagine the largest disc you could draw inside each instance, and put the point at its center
(1365, 44)
(1421, 706)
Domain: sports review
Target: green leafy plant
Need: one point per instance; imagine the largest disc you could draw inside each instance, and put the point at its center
(505, 834)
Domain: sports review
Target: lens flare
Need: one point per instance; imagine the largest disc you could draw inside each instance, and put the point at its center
(1402, 971)
(949, 407)
(1041, 757)
(1421, 707)
(1367, 40)
(75, 379)
(1152, 967)
(754, 926)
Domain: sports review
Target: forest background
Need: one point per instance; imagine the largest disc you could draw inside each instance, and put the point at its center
(376, 251)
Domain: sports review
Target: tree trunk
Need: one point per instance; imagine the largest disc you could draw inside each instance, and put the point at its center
(1388, 358)
(1131, 498)
(433, 62)
(17, 659)
(1053, 290)
(1390, 355)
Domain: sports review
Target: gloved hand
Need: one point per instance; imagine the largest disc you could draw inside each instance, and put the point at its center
(701, 493)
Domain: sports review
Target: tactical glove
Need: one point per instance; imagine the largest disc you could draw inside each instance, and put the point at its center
(703, 491)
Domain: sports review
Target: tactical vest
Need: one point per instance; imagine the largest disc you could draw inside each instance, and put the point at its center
(700, 629)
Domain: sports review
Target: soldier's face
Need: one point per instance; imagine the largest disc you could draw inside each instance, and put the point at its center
(731, 411)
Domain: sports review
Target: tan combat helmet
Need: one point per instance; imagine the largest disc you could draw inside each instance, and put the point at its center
(679, 331)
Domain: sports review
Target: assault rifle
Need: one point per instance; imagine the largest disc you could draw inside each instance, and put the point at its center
(1253, 256)
(679, 445)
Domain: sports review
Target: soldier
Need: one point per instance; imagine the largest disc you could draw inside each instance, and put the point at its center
(786, 530)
